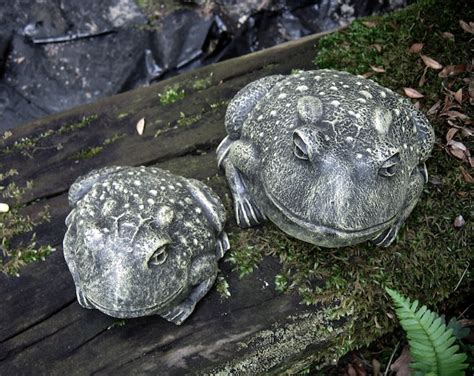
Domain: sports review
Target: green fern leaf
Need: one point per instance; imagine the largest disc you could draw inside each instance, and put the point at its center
(432, 345)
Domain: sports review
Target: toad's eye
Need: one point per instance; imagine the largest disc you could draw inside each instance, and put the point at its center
(390, 166)
(300, 149)
(159, 256)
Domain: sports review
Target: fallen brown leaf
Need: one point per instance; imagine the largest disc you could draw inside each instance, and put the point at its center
(457, 149)
(432, 63)
(455, 115)
(402, 365)
(451, 133)
(350, 371)
(375, 367)
(467, 176)
(448, 35)
(416, 48)
(368, 74)
(412, 93)
(369, 24)
(471, 161)
(378, 47)
(423, 77)
(451, 70)
(458, 96)
(434, 108)
(417, 105)
(459, 221)
(377, 69)
(467, 27)
(141, 126)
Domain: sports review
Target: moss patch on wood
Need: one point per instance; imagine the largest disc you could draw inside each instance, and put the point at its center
(29, 145)
(430, 259)
(13, 224)
(171, 95)
(96, 150)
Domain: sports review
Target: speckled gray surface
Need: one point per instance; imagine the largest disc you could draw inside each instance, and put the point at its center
(142, 241)
(331, 158)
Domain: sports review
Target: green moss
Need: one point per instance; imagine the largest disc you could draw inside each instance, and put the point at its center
(222, 287)
(171, 95)
(14, 224)
(430, 256)
(29, 145)
(96, 150)
(184, 120)
(202, 83)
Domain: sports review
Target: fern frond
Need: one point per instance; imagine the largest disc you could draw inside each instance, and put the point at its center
(432, 345)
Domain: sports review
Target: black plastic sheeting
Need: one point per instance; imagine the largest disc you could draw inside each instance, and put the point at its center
(57, 54)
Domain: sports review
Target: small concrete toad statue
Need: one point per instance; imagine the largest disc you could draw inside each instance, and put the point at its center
(331, 158)
(141, 241)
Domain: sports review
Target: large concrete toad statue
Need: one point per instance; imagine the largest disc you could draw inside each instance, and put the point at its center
(141, 241)
(331, 158)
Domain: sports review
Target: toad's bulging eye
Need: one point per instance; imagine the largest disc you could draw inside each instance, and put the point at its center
(390, 166)
(159, 257)
(300, 148)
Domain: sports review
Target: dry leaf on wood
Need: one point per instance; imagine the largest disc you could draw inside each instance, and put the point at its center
(448, 35)
(416, 47)
(377, 69)
(402, 365)
(141, 126)
(432, 63)
(412, 93)
(459, 221)
(467, 27)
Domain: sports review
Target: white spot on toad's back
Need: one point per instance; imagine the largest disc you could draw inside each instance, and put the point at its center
(302, 88)
(382, 120)
(366, 94)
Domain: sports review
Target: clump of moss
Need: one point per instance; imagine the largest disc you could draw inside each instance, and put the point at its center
(222, 287)
(28, 145)
(430, 258)
(171, 95)
(14, 224)
(184, 120)
(96, 150)
(202, 83)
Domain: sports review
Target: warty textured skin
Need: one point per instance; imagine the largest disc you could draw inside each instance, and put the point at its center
(331, 158)
(142, 241)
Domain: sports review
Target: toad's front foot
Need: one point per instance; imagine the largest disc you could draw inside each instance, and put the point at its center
(246, 212)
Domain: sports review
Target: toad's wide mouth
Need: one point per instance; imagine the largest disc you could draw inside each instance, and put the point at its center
(324, 229)
(131, 311)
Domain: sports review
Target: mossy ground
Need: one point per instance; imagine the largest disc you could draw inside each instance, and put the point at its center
(430, 259)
